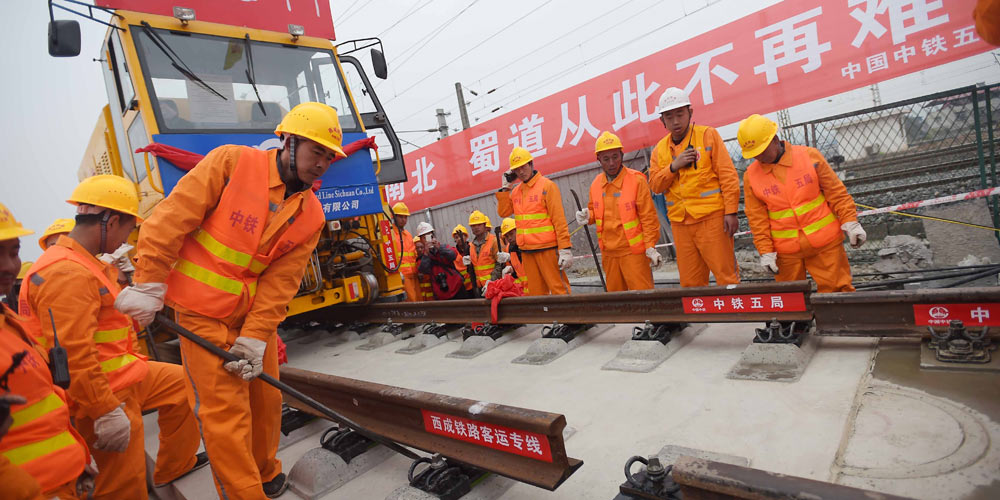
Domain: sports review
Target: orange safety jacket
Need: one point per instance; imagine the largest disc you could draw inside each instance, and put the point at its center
(515, 262)
(627, 208)
(485, 259)
(462, 269)
(695, 191)
(115, 338)
(794, 205)
(218, 262)
(41, 440)
(533, 223)
(426, 288)
(407, 251)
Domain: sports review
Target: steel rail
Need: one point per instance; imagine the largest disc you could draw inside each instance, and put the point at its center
(665, 305)
(405, 416)
(888, 313)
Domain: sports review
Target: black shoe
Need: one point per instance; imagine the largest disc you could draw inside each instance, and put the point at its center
(201, 460)
(276, 487)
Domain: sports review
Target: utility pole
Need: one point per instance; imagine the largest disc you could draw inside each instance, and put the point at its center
(876, 95)
(461, 106)
(442, 123)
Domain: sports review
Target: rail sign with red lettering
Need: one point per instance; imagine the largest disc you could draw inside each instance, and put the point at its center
(389, 253)
(792, 52)
(985, 314)
(498, 437)
(748, 303)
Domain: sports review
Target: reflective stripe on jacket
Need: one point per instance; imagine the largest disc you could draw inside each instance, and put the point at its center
(696, 190)
(627, 208)
(531, 217)
(484, 258)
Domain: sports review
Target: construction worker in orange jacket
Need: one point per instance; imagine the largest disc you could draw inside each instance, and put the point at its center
(627, 225)
(41, 454)
(484, 250)
(461, 237)
(542, 232)
(70, 293)
(403, 244)
(508, 244)
(227, 250)
(423, 280)
(692, 167)
(798, 209)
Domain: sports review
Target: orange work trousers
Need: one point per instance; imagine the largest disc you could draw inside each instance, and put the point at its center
(123, 475)
(628, 272)
(542, 271)
(704, 246)
(412, 287)
(828, 266)
(240, 421)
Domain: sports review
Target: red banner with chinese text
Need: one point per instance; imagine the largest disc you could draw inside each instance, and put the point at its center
(790, 53)
(498, 437)
(760, 302)
(986, 314)
(272, 15)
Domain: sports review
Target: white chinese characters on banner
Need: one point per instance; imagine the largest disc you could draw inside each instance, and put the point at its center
(568, 127)
(703, 72)
(791, 44)
(624, 101)
(485, 153)
(965, 36)
(395, 192)
(422, 174)
(906, 17)
(934, 45)
(528, 135)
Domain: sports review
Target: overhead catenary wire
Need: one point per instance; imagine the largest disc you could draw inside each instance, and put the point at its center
(423, 41)
(406, 15)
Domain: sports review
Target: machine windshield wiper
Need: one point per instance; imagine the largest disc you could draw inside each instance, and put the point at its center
(176, 61)
(250, 74)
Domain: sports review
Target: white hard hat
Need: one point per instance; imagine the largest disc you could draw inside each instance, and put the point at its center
(672, 98)
(424, 228)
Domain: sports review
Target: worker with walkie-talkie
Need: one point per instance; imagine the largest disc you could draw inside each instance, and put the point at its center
(69, 294)
(41, 455)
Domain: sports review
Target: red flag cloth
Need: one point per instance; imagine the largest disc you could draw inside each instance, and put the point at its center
(499, 289)
(282, 353)
(186, 160)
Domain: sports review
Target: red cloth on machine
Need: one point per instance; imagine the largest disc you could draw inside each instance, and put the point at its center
(499, 289)
(282, 353)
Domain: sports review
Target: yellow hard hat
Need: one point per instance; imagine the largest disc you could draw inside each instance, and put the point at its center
(24, 270)
(314, 121)
(477, 217)
(460, 229)
(10, 228)
(507, 225)
(607, 141)
(518, 157)
(60, 226)
(416, 239)
(754, 134)
(401, 209)
(108, 191)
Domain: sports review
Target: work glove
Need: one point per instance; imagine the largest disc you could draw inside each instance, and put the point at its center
(855, 233)
(113, 430)
(119, 258)
(583, 217)
(655, 259)
(251, 354)
(769, 261)
(485, 286)
(85, 483)
(508, 270)
(503, 257)
(142, 301)
(504, 183)
(565, 259)
(466, 260)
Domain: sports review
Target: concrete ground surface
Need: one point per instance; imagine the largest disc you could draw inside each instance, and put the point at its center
(859, 412)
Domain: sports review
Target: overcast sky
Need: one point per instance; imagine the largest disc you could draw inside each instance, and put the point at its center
(51, 105)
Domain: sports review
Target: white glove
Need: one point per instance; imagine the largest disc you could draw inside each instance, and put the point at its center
(85, 483)
(485, 286)
(504, 183)
(142, 301)
(508, 270)
(769, 261)
(583, 217)
(565, 259)
(503, 257)
(855, 233)
(113, 430)
(655, 259)
(119, 258)
(466, 260)
(251, 352)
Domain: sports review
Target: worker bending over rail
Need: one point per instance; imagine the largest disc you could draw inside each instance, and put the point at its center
(111, 383)
(508, 245)
(438, 264)
(402, 242)
(227, 250)
(627, 225)
(41, 454)
(797, 208)
(542, 233)
(692, 167)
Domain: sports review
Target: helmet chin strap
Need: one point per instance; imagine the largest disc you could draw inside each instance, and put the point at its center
(291, 142)
(104, 231)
